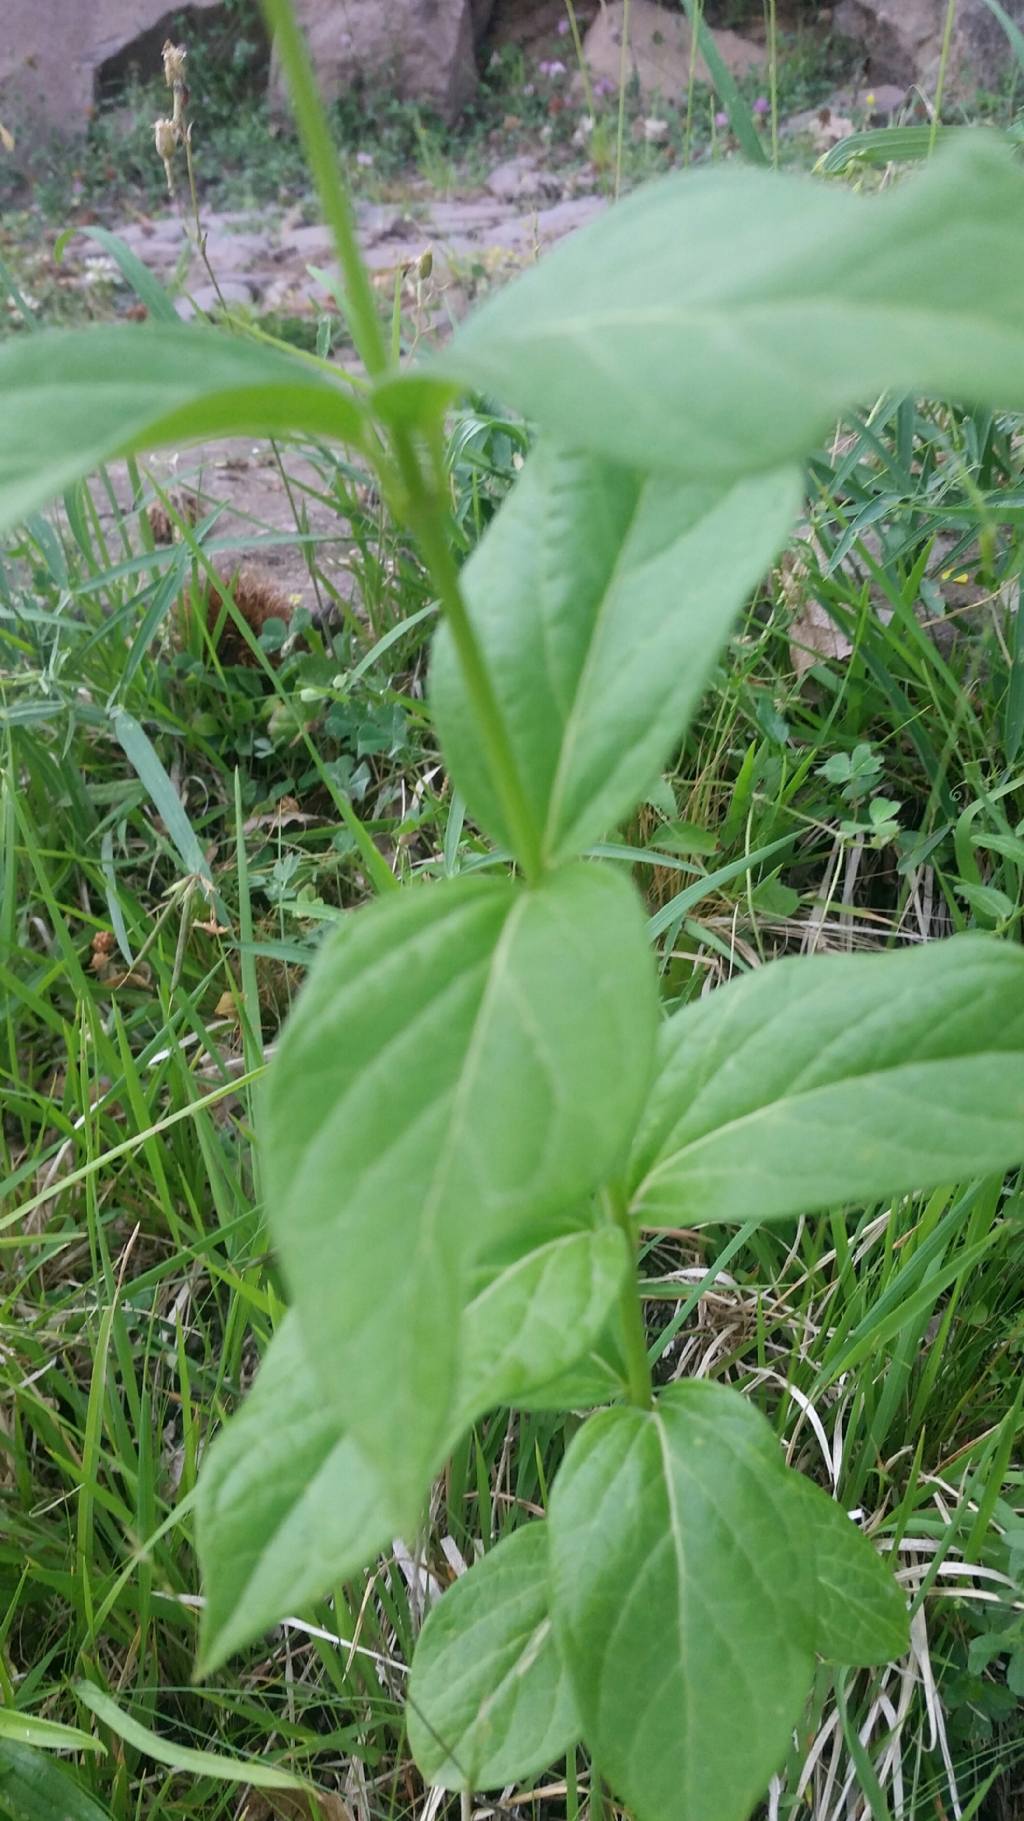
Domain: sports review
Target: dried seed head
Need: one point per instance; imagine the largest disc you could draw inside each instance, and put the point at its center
(174, 56)
(165, 135)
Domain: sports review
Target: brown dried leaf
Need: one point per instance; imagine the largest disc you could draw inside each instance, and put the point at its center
(297, 1805)
(814, 635)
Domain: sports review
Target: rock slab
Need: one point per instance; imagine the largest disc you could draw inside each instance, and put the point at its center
(902, 39)
(659, 49)
(419, 50)
(52, 52)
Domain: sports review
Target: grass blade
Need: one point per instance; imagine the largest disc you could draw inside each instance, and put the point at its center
(182, 1757)
(740, 116)
(142, 755)
(147, 289)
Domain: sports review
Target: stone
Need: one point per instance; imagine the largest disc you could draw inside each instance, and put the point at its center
(236, 255)
(208, 299)
(453, 217)
(530, 234)
(659, 50)
(883, 101)
(902, 39)
(417, 50)
(53, 57)
(519, 179)
(309, 245)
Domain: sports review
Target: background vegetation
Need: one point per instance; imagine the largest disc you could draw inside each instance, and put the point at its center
(191, 798)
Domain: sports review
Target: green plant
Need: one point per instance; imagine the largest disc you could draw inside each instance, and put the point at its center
(475, 1110)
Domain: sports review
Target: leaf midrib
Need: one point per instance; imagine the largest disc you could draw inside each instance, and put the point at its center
(671, 1160)
(726, 310)
(571, 724)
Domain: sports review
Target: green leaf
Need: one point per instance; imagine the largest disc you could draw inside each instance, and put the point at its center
(287, 1504)
(837, 1078)
(147, 288)
(986, 901)
(726, 87)
(601, 598)
(860, 1613)
(255, 1772)
(489, 1697)
(465, 1060)
(682, 1597)
(718, 322)
(145, 761)
(48, 1735)
(82, 396)
(890, 145)
(600, 1376)
(34, 1788)
(536, 1318)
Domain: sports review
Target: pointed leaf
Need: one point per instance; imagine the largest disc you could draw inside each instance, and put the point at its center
(287, 1504)
(48, 1735)
(536, 1318)
(860, 1612)
(259, 1773)
(82, 396)
(626, 585)
(682, 1599)
(464, 1060)
(34, 1788)
(140, 277)
(489, 1697)
(600, 1376)
(717, 322)
(837, 1078)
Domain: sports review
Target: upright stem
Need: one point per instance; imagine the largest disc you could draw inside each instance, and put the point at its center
(322, 157)
(428, 526)
(641, 1389)
(773, 79)
(620, 135)
(940, 84)
(422, 484)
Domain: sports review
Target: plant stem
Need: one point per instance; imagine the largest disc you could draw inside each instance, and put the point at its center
(773, 79)
(691, 83)
(428, 524)
(940, 84)
(620, 134)
(322, 158)
(422, 490)
(641, 1389)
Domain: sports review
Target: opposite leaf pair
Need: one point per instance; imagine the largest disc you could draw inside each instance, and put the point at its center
(470, 1066)
(668, 1611)
(290, 1503)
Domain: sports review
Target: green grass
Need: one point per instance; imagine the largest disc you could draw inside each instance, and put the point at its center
(178, 835)
(150, 955)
